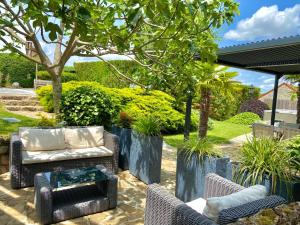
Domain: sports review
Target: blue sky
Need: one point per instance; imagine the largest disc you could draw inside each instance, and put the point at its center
(258, 20)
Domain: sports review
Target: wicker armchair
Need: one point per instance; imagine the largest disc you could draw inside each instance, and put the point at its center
(162, 208)
(22, 175)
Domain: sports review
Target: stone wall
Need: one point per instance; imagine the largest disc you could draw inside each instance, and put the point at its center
(4, 159)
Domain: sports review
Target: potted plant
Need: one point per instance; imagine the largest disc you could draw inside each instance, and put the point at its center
(146, 150)
(267, 161)
(195, 159)
(122, 129)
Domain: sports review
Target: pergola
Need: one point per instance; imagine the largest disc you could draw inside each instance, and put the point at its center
(277, 57)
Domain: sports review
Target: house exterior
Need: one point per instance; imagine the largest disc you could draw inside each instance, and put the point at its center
(284, 99)
(286, 109)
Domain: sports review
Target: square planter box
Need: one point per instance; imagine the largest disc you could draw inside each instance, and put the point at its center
(124, 135)
(145, 157)
(190, 175)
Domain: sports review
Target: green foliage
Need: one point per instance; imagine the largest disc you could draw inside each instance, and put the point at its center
(65, 76)
(261, 157)
(14, 68)
(147, 125)
(199, 147)
(293, 145)
(44, 121)
(124, 120)
(136, 102)
(101, 72)
(87, 106)
(246, 118)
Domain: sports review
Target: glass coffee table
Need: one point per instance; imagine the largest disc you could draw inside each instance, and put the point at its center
(62, 195)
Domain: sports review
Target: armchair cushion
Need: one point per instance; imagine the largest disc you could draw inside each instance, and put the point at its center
(38, 139)
(30, 157)
(84, 137)
(215, 205)
(198, 204)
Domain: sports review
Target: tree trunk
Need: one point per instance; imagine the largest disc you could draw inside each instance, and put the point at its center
(188, 113)
(298, 104)
(204, 112)
(57, 93)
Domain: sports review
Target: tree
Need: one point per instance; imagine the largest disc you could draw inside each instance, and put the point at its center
(211, 76)
(295, 79)
(154, 33)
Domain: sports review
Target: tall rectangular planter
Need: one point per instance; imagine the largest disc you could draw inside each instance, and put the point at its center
(190, 175)
(145, 157)
(124, 135)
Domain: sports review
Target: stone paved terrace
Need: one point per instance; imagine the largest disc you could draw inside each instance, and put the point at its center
(17, 206)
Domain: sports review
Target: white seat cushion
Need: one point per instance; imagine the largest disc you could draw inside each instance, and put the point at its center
(86, 137)
(216, 204)
(30, 157)
(198, 204)
(37, 139)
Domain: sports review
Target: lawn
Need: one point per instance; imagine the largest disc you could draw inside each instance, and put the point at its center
(7, 128)
(220, 134)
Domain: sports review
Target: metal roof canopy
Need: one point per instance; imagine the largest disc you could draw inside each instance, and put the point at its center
(277, 57)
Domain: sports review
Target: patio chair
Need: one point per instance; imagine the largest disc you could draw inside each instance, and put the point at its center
(162, 208)
(262, 130)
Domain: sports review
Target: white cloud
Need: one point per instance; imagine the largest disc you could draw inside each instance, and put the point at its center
(269, 81)
(267, 22)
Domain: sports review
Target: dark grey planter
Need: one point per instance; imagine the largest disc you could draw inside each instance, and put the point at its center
(145, 157)
(124, 135)
(290, 190)
(190, 175)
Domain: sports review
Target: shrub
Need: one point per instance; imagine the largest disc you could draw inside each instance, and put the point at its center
(147, 125)
(246, 118)
(255, 106)
(124, 120)
(15, 68)
(101, 72)
(46, 122)
(260, 157)
(65, 76)
(136, 102)
(87, 106)
(293, 145)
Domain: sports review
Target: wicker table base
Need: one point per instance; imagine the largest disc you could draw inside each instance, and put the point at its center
(54, 205)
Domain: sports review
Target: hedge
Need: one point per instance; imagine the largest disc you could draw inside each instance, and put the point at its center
(15, 68)
(101, 72)
(136, 102)
(65, 76)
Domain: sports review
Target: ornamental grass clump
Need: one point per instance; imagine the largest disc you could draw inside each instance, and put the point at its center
(200, 148)
(262, 158)
(148, 125)
(124, 120)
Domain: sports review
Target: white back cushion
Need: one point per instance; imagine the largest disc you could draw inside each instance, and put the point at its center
(216, 204)
(86, 137)
(197, 204)
(37, 139)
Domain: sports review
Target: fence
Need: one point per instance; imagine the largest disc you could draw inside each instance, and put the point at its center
(282, 103)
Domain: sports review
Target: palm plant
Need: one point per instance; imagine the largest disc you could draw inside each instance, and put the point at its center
(295, 79)
(211, 76)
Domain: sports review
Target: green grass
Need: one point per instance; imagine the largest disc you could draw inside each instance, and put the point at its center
(7, 128)
(220, 134)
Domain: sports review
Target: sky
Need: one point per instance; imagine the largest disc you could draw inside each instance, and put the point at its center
(259, 20)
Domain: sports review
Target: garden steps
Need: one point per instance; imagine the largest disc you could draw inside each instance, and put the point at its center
(24, 103)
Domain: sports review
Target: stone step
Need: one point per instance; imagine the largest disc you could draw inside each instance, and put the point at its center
(25, 108)
(20, 102)
(18, 97)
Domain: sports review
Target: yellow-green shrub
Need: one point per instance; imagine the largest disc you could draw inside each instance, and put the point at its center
(136, 102)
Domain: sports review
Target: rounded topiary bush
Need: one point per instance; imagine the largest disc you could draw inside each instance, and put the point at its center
(85, 106)
(255, 106)
(246, 118)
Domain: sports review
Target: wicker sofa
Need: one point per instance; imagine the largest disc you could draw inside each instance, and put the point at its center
(35, 150)
(162, 208)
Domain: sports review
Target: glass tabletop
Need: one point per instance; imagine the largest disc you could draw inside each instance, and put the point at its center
(71, 177)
